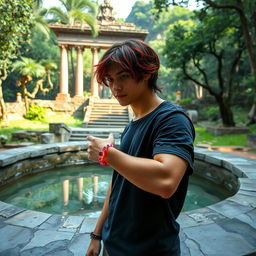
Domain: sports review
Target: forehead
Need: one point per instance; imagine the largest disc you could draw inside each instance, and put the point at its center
(114, 69)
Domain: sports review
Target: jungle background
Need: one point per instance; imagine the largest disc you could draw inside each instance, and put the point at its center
(204, 53)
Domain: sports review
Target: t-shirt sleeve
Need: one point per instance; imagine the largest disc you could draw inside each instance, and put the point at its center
(175, 135)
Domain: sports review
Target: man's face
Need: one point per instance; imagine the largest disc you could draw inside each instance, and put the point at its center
(126, 89)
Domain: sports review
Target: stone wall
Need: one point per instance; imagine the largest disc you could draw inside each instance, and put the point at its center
(75, 107)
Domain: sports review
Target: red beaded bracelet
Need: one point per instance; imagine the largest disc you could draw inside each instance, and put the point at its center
(103, 154)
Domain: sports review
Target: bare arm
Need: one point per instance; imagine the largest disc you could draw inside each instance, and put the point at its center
(160, 176)
(95, 245)
(104, 213)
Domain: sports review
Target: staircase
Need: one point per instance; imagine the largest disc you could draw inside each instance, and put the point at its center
(105, 113)
(103, 116)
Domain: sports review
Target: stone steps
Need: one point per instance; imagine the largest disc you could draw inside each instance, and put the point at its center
(105, 113)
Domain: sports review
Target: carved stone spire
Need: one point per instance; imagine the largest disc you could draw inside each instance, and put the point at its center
(106, 13)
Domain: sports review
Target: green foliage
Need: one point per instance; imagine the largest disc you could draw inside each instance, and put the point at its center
(186, 101)
(207, 51)
(72, 11)
(86, 94)
(209, 113)
(141, 15)
(27, 66)
(15, 25)
(36, 112)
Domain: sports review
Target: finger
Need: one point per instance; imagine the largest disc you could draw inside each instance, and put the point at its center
(111, 136)
(90, 138)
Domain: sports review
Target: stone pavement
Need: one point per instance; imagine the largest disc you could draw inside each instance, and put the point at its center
(227, 228)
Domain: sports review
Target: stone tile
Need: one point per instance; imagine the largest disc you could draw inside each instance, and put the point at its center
(38, 151)
(79, 244)
(11, 211)
(72, 223)
(193, 248)
(229, 209)
(4, 205)
(213, 160)
(243, 229)
(12, 236)
(185, 221)
(54, 222)
(208, 213)
(238, 172)
(213, 240)
(200, 218)
(44, 237)
(250, 175)
(7, 158)
(248, 193)
(65, 147)
(249, 218)
(55, 248)
(183, 247)
(245, 200)
(88, 225)
(29, 219)
(199, 156)
(247, 184)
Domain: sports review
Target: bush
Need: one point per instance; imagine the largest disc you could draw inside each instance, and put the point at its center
(210, 113)
(36, 113)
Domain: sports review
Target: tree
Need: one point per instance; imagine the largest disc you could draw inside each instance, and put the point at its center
(142, 15)
(246, 11)
(29, 68)
(208, 54)
(15, 24)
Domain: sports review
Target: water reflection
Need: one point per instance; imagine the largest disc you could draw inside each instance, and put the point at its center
(90, 197)
(81, 190)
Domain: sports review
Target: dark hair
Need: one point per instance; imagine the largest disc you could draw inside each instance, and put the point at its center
(134, 56)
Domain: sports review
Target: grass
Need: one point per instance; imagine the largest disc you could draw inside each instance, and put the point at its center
(25, 124)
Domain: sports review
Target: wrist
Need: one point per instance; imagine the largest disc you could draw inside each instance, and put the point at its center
(94, 236)
(103, 154)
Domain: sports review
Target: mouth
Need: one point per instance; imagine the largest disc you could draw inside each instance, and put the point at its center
(120, 96)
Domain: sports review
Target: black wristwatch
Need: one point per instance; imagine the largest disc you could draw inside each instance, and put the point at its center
(94, 236)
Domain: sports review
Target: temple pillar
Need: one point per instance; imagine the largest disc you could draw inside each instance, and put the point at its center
(94, 83)
(79, 86)
(63, 94)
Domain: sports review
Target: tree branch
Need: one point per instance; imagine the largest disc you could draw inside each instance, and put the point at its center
(224, 6)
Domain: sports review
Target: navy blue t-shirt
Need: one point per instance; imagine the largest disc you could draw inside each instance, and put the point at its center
(140, 223)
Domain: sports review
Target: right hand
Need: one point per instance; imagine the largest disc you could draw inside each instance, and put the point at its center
(94, 248)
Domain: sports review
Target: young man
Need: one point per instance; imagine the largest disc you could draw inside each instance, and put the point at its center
(152, 164)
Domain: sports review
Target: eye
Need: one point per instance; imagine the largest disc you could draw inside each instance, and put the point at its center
(108, 81)
(125, 76)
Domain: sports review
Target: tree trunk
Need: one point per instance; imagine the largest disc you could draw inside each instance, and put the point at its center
(4, 115)
(3, 76)
(25, 96)
(225, 112)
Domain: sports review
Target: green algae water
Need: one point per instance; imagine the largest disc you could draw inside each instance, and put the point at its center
(81, 190)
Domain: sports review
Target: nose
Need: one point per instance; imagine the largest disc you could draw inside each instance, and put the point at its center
(116, 86)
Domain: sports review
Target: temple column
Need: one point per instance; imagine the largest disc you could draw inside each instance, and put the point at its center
(94, 83)
(79, 72)
(63, 94)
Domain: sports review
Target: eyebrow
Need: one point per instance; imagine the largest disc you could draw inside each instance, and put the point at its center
(120, 72)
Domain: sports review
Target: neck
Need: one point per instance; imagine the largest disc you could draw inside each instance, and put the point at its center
(146, 105)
